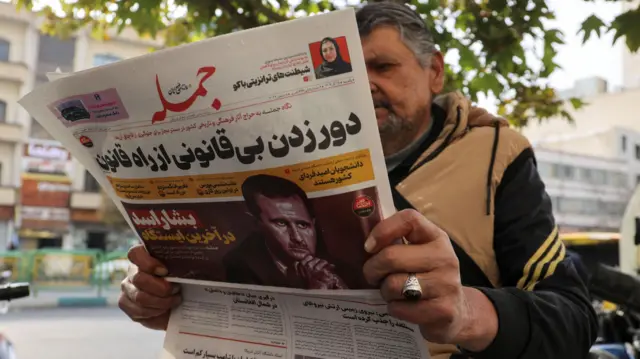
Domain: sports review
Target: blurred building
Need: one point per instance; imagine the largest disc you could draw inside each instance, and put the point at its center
(588, 193)
(592, 166)
(59, 203)
(601, 144)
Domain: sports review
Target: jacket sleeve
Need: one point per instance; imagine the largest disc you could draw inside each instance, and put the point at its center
(544, 309)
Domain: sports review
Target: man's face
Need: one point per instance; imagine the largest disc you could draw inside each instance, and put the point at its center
(400, 86)
(288, 227)
(329, 51)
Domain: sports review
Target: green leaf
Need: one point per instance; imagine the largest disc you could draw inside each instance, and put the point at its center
(589, 26)
(567, 116)
(468, 59)
(628, 25)
(486, 82)
(577, 103)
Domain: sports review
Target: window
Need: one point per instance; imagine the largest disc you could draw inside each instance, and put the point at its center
(586, 175)
(54, 52)
(619, 179)
(104, 59)
(590, 207)
(4, 50)
(3, 111)
(545, 169)
(623, 141)
(570, 205)
(599, 177)
(564, 171)
(638, 152)
(90, 183)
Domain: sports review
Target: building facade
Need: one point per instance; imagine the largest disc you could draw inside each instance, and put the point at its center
(592, 165)
(588, 193)
(16, 60)
(58, 204)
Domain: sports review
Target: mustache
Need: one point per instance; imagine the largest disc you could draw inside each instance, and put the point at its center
(382, 103)
(298, 246)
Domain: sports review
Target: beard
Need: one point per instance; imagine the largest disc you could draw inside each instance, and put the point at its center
(396, 132)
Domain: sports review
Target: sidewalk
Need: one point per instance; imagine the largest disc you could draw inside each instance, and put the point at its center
(46, 298)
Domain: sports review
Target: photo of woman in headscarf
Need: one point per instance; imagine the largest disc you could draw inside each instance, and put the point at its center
(332, 61)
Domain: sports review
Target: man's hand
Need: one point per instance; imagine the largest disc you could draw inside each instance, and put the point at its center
(318, 273)
(146, 297)
(447, 313)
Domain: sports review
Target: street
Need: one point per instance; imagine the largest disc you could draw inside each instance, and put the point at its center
(101, 333)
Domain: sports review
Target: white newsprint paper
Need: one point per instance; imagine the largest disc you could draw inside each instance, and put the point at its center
(241, 324)
(251, 166)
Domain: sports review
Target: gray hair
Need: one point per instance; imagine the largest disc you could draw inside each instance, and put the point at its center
(413, 31)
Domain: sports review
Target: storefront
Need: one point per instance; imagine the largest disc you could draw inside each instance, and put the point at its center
(43, 216)
(88, 225)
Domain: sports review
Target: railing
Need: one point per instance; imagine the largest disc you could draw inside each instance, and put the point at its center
(56, 269)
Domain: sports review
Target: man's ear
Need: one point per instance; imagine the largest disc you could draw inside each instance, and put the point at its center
(436, 80)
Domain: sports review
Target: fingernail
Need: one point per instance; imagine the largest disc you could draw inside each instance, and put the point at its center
(176, 289)
(369, 244)
(161, 271)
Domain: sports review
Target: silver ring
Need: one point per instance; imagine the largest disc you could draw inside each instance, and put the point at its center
(411, 289)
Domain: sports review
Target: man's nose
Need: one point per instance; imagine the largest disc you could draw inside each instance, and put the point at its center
(294, 234)
(372, 85)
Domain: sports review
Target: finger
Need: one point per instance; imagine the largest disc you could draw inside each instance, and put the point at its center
(322, 264)
(298, 268)
(135, 311)
(407, 223)
(139, 256)
(160, 322)
(311, 265)
(410, 258)
(433, 285)
(146, 300)
(153, 285)
(306, 260)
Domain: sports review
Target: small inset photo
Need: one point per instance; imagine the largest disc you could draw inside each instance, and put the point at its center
(73, 110)
(330, 57)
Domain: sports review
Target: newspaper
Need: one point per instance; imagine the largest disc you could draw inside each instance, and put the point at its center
(233, 323)
(250, 162)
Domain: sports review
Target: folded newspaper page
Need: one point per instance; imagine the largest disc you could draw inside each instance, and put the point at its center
(251, 166)
(215, 322)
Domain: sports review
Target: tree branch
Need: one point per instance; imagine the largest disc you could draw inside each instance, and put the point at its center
(269, 13)
(233, 14)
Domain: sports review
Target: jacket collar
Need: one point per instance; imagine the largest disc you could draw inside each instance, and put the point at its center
(460, 116)
(456, 107)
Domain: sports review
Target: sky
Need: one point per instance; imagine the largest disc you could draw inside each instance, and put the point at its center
(595, 58)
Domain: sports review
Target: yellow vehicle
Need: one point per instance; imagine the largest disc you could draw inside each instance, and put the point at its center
(594, 247)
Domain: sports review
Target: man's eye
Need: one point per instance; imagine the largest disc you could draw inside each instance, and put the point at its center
(383, 67)
(303, 225)
(280, 223)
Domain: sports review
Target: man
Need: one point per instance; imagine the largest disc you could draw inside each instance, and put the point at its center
(483, 243)
(287, 250)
